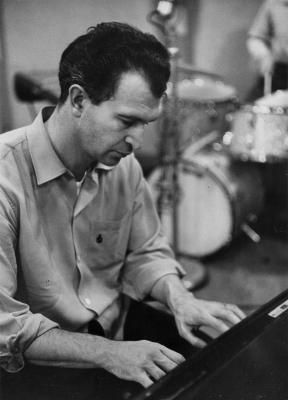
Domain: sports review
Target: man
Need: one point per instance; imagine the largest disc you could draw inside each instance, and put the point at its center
(267, 44)
(78, 226)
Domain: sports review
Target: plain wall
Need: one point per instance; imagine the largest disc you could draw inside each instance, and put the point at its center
(35, 32)
(220, 40)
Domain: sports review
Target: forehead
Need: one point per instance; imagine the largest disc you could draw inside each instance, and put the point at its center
(134, 95)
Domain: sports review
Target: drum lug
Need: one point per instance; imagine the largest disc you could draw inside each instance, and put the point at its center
(212, 113)
(252, 119)
(227, 138)
(229, 117)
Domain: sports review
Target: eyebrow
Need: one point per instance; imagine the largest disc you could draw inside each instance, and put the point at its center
(136, 119)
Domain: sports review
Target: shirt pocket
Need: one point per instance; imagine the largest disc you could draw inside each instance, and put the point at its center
(108, 241)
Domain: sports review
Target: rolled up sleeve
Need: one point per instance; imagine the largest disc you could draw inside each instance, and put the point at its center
(150, 256)
(18, 325)
(18, 330)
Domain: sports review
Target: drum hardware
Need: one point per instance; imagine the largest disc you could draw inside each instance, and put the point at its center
(212, 112)
(259, 133)
(169, 137)
(254, 236)
(194, 116)
(252, 120)
(267, 82)
(199, 144)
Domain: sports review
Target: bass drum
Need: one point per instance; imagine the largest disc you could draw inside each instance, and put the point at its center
(218, 196)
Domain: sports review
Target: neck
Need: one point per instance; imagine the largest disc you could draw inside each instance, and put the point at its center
(61, 130)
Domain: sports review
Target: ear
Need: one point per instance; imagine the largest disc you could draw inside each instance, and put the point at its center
(77, 97)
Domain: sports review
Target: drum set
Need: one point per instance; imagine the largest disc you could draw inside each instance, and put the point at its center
(221, 144)
(208, 186)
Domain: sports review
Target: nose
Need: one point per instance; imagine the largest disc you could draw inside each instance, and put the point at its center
(135, 137)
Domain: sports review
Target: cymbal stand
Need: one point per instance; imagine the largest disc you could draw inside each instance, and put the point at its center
(169, 190)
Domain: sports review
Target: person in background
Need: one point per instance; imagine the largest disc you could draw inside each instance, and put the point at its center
(267, 45)
(79, 233)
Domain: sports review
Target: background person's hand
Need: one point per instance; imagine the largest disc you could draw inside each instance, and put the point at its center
(140, 361)
(261, 55)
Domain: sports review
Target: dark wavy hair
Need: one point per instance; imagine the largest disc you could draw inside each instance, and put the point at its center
(97, 59)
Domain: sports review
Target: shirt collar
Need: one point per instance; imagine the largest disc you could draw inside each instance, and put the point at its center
(46, 163)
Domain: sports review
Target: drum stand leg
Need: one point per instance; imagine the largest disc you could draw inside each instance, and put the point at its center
(170, 156)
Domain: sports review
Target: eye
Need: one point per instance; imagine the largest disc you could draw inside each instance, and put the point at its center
(128, 123)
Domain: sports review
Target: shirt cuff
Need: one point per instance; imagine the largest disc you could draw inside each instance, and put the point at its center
(14, 345)
(148, 275)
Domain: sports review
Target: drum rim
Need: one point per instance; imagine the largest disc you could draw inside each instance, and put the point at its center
(264, 109)
(232, 96)
(196, 101)
(268, 159)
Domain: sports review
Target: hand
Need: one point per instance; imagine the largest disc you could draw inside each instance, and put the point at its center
(140, 361)
(191, 313)
(261, 55)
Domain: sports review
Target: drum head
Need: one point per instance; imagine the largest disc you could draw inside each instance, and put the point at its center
(204, 212)
(203, 89)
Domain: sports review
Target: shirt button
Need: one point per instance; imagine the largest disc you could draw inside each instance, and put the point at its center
(87, 301)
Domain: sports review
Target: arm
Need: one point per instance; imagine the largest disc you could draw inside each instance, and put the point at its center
(140, 361)
(190, 312)
(41, 342)
(151, 270)
(259, 39)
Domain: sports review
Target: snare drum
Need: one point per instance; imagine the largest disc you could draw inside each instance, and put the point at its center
(217, 197)
(260, 132)
(204, 103)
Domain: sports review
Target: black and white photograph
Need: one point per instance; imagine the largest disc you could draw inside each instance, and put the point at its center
(143, 199)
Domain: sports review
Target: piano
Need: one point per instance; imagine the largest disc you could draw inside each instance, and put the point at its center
(249, 362)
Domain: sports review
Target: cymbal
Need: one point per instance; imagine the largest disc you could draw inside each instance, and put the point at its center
(185, 67)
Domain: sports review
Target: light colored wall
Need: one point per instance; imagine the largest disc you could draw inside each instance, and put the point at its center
(219, 44)
(37, 31)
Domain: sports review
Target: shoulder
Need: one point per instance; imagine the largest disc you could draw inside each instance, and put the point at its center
(10, 140)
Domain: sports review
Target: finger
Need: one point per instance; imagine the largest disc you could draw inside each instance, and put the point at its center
(155, 372)
(177, 358)
(227, 315)
(144, 380)
(165, 363)
(215, 323)
(230, 313)
(186, 334)
(237, 311)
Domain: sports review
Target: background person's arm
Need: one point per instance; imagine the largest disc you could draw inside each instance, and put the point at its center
(260, 36)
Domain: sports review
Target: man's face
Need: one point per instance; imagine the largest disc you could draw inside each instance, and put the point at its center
(114, 128)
